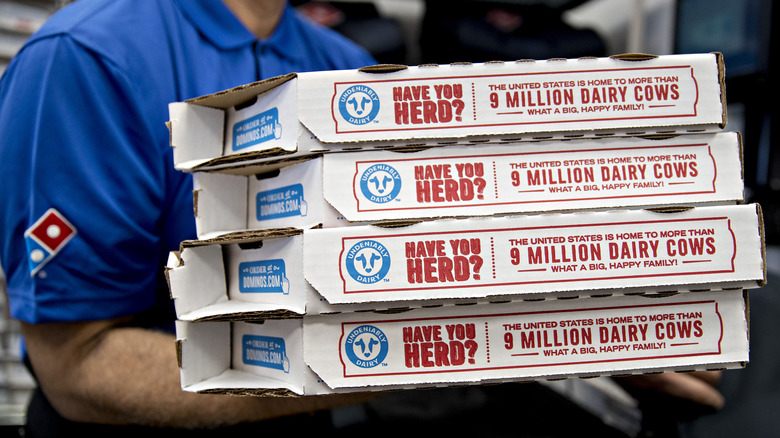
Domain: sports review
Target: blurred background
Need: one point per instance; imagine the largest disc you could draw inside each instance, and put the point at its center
(417, 32)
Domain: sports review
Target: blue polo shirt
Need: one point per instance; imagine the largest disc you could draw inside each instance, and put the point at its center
(90, 204)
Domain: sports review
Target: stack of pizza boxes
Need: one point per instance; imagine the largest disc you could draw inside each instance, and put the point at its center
(396, 227)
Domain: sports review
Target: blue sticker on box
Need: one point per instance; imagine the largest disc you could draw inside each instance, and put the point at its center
(257, 129)
(265, 351)
(280, 203)
(263, 276)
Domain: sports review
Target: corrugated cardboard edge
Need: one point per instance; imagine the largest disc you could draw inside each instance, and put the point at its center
(250, 392)
(741, 152)
(746, 297)
(383, 68)
(258, 316)
(634, 56)
(241, 94)
(247, 236)
(762, 236)
(179, 343)
(248, 163)
(243, 157)
(722, 80)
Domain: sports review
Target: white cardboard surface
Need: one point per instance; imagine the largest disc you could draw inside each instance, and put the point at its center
(538, 177)
(225, 281)
(511, 98)
(466, 344)
(274, 121)
(615, 251)
(226, 203)
(266, 357)
(335, 111)
(529, 340)
(218, 282)
(196, 133)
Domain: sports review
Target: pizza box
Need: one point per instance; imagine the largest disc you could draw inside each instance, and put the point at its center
(459, 181)
(300, 114)
(457, 345)
(274, 274)
(612, 251)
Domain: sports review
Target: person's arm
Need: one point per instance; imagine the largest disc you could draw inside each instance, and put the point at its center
(106, 373)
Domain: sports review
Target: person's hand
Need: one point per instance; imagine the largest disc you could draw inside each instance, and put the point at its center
(697, 387)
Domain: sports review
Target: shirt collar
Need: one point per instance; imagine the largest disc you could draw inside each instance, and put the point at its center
(287, 40)
(223, 29)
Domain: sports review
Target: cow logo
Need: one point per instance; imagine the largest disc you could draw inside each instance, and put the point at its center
(368, 261)
(359, 104)
(380, 183)
(366, 346)
(46, 237)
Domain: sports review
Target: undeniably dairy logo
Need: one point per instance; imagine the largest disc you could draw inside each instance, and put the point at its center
(380, 183)
(366, 346)
(368, 261)
(359, 104)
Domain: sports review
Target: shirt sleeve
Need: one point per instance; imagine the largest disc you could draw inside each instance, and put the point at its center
(75, 141)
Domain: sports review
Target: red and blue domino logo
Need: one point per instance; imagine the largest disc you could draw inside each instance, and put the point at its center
(46, 237)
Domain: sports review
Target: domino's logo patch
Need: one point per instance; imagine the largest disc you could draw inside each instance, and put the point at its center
(46, 237)
(366, 346)
(359, 104)
(368, 261)
(380, 183)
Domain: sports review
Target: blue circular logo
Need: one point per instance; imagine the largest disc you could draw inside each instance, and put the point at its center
(366, 346)
(368, 261)
(359, 104)
(380, 183)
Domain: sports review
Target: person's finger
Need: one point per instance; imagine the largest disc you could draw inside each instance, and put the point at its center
(687, 386)
(711, 377)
